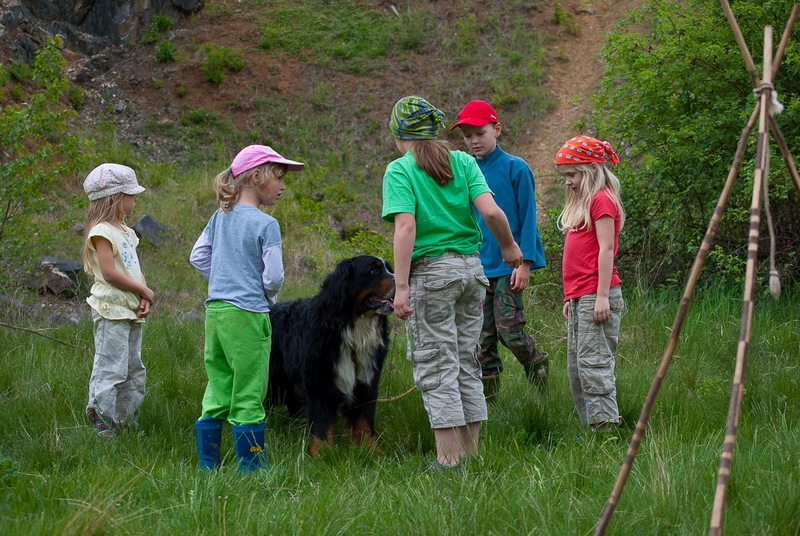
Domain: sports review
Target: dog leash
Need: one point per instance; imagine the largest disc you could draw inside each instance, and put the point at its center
(397, 397)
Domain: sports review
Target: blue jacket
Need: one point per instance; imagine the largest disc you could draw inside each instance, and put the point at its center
(511, 180)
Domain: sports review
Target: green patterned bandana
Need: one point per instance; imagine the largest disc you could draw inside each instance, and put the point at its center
(414, 118)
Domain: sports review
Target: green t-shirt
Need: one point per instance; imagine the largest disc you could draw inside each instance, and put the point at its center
(444, 215)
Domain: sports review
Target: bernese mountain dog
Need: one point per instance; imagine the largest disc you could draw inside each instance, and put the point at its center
(328, 350)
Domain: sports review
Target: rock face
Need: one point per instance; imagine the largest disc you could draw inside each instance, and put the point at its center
(88, 27)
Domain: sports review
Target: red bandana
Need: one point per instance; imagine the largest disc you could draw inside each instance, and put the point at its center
(583, 150)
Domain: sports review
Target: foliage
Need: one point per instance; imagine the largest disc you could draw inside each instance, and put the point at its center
(40, 157)
(166, 51)
(160, 23)
(675, 98)
(20, 71)
(76, 96)
(565, 19)
(217, 59)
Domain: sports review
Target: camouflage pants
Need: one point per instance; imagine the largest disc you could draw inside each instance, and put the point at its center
(504, 322)
(590, 358)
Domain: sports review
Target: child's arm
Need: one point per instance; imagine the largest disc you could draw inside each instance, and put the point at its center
(144, 305)
(405, 232)
(604, 227)
(200, 257)
(273, 274)
(496, 219)
(112, 276)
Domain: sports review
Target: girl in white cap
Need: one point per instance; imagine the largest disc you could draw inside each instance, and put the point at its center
(239, 252)
(120, 299)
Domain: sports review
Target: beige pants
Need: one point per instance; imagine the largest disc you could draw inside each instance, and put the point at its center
(117, 385)
(447, 295)
(590, 358)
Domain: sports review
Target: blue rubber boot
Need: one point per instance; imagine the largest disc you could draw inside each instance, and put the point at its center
(248, 440)
(209, 438)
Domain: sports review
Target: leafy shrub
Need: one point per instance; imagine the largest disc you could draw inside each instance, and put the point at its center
(76, 96)
(159, 24)
(675, 98)
(19, 70)
(217, 59)
(38, 153)
(166, 51)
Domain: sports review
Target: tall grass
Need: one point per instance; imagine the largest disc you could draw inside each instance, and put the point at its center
(538, 470)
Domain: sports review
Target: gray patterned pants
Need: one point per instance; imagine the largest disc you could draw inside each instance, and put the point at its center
(117, 385)
(590, 358)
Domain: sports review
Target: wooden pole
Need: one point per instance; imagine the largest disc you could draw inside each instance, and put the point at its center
(787, 157)
(655, 387)
(762, 157)
(787, 33)
(737, 33)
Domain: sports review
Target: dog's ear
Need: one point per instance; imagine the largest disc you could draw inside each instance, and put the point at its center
(337, 285)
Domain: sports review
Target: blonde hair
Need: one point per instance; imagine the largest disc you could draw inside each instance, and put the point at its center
(433, 157)
(228, 187)
(578, 206)
(104, 209)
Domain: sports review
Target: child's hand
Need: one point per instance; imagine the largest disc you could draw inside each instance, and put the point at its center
(520, 277)
(602, 310)
(148, 295)
(144, 308)
(565, 311)
(401, 308)
(512, 255)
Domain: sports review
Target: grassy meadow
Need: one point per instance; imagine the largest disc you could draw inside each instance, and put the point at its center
(538, 471)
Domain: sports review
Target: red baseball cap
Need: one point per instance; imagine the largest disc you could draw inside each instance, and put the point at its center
(476, 113)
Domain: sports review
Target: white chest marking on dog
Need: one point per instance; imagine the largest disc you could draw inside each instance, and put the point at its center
(359, 343)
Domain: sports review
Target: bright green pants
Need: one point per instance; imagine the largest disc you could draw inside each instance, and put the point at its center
(236, 356)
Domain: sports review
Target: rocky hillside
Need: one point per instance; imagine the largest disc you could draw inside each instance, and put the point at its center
(108, 57)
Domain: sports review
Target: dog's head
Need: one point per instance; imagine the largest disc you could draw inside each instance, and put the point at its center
(365, 282)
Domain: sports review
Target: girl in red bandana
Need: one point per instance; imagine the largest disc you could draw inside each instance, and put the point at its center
(591, 220)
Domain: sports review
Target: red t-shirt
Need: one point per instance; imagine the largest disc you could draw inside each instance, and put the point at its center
(579, 264)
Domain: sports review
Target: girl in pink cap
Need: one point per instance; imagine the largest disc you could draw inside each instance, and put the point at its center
(591, 220)
(239, 252)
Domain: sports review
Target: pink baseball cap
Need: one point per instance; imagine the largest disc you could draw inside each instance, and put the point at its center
(476, 113)
(255, 155)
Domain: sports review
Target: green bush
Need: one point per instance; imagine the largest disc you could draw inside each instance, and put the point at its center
(674, 99)
(218, 58)
(159, 24)
(40, 157)
(166, 51)
(76, 96)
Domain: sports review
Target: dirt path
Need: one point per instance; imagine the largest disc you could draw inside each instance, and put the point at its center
(575, 73)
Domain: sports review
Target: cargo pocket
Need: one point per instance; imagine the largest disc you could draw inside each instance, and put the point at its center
(426, 369)
(597, 374)
(437, 306)
(616, 303)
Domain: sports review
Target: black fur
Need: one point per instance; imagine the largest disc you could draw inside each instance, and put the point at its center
(316, 341)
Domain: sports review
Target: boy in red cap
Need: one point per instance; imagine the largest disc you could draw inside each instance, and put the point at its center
(512, 182)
